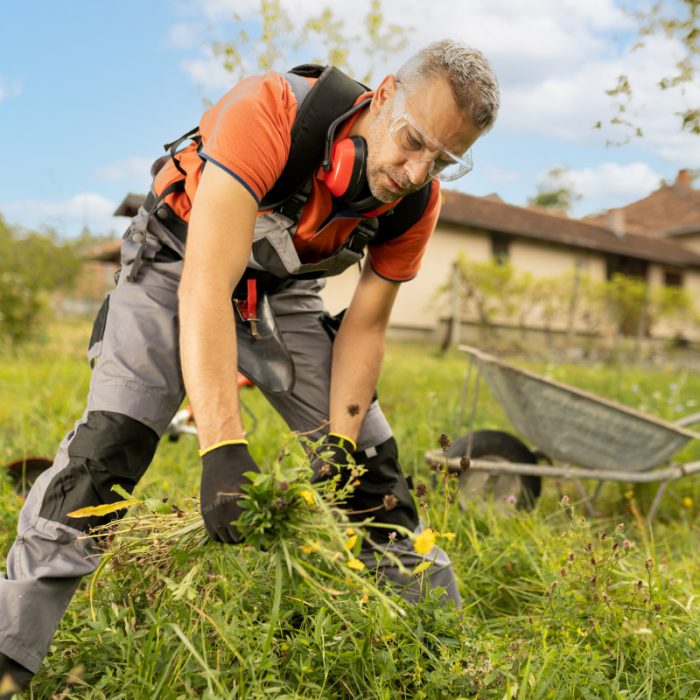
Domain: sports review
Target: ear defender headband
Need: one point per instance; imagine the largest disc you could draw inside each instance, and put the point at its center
(345, 163)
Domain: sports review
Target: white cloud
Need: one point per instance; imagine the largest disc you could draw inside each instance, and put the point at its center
(134, 170)
(9, 88)
(606, 185)
(500, 176)
(184, 35)
(208, 72)
(68, 216)
(554, 59)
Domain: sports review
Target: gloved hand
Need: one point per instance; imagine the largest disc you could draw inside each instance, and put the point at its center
(334, 451)
(223, 467)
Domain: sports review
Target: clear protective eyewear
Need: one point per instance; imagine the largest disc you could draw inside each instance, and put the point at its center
(412, 141)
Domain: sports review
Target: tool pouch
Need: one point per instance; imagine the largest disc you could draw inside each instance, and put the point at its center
(262, 355)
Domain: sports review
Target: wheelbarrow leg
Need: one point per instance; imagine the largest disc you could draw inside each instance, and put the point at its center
(655, 503)
(587, 502)
(596, 493)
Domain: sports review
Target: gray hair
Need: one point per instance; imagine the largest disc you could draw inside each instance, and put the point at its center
(473, 82)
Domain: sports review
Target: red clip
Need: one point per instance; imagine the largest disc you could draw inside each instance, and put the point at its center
(251, 301)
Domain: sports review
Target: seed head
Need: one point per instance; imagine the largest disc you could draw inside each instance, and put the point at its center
(564, 500)
(444, 442)
(283, 486)
(421, 489)
(392, 536)
(649, 563)
(627, 545)
(464, 464)
(390, 501)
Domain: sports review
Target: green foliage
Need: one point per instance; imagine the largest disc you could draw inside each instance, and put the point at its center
(173, 616)
(31, 266)
(276, 36)
(495, 293)
(556, 192)
(679, 21)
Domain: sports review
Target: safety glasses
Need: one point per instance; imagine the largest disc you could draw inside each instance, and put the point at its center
(413, 142)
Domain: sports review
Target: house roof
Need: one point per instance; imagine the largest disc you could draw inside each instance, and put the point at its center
(492, 214)
(670, 210)
(483, 213)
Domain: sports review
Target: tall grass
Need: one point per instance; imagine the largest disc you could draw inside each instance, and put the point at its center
(555, 605)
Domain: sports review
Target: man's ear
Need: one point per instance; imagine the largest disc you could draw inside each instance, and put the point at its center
(383, 94)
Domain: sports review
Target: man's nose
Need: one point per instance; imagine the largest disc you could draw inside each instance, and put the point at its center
(417, 171)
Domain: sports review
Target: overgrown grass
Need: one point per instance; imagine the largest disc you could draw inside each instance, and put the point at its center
(555, 606)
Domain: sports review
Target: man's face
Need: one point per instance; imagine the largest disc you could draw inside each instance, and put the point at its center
(393, 171)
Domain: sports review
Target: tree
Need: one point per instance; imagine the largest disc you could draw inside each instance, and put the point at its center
(678, 20)
(277, 37)
(32, 265)
(556, 192)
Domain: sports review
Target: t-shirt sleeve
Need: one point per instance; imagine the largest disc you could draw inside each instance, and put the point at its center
(248, 133)
(399, 259)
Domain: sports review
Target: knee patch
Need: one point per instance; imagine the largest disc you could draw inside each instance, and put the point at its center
(108, 449)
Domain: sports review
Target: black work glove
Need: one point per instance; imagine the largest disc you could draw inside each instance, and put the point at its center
(223, 468)
(333, 452)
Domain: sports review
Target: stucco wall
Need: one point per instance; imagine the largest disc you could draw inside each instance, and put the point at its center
(416, 305)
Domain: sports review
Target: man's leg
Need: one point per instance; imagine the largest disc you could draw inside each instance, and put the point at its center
(383, 490)
(135, 389)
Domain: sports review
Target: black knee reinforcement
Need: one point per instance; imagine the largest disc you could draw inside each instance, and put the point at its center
(383, 492)
(108, 449)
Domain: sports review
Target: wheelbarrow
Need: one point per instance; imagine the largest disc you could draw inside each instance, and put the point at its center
(570, 434)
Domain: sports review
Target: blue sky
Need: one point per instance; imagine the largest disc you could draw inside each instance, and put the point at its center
(90, 91)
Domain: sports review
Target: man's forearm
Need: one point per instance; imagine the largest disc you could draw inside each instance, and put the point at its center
(357, 360)
(209, 363)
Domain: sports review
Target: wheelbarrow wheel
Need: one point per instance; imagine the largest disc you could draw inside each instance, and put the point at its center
(496, 446)
(24, 472)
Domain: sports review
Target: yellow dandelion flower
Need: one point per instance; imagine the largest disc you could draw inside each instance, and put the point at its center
(688, 502)
(349, 532)
(356, 564)
(350, 542)
(364, 599)
(309, 548)
(308, 496)
(424, 541)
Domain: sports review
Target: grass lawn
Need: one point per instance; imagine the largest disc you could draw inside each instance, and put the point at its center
(555, 605)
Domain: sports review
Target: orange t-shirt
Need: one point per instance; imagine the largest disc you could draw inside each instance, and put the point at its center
(248, 134)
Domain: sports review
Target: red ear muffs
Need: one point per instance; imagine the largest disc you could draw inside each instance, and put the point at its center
(345, 178)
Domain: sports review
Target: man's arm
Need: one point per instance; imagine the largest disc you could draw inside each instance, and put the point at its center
(218, 246)
(358, 351)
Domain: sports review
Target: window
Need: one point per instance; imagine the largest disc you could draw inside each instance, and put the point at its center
(673, 278)
(500, 245)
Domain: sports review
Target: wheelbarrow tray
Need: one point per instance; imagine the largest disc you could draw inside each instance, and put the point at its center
(575, 426)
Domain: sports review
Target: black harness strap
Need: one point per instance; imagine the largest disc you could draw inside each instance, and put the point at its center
(174, 145)
(333, 93)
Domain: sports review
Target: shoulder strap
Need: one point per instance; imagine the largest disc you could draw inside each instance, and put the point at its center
(404, 215)
(333, 94)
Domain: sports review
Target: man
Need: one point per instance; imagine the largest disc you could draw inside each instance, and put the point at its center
(378, 184)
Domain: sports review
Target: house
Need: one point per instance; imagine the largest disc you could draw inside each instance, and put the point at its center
(672, 212)
(543, 243)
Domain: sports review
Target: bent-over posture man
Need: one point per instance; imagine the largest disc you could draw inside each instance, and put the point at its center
(289, 178)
